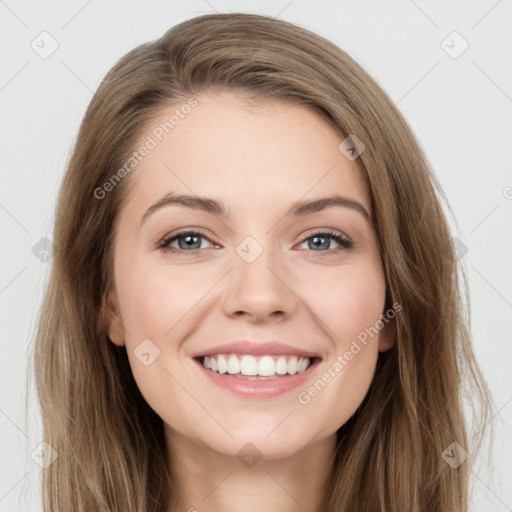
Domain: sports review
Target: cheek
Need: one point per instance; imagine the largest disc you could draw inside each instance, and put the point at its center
(154, 303)
(349, 302)
(156, 298)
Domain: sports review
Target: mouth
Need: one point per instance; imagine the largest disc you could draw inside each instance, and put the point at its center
(266, 367)
(263, 376)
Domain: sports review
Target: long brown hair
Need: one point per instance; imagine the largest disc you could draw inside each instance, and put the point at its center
(110, 443)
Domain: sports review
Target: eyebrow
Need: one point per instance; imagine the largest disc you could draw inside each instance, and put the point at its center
(298, 209)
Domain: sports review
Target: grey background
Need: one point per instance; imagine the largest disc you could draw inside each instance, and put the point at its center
(458, 104)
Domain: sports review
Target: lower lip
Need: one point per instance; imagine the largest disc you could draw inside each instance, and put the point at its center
(259, 388)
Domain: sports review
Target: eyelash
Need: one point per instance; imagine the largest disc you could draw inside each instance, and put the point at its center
(344, 242)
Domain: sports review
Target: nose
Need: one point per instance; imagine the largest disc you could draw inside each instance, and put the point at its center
(261, 290)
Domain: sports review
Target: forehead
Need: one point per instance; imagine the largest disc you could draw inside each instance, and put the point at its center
(253, 154)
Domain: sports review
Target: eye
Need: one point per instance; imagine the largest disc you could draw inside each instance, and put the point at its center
(320, 240)
(189, 242)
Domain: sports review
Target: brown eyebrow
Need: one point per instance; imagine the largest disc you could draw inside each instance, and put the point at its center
(298, 209)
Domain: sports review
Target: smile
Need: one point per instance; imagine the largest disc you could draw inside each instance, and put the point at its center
(251, 366)
(257, 377)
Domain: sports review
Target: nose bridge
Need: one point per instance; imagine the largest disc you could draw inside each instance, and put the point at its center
(256, 261)
(257, 284)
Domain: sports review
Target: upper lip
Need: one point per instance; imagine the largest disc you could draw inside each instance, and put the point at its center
(256, 349)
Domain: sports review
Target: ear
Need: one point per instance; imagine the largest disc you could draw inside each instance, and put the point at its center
(387, 335)
(114, 324)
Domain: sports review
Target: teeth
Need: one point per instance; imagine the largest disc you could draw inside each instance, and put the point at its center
(281, 366)
(302, 365)
(249, 365)
(233, 365)
(264, 366)
(222, 365)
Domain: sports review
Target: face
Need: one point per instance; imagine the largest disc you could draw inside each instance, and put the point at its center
(256, 273)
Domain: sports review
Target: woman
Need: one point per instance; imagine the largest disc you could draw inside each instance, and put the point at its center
(254, 369)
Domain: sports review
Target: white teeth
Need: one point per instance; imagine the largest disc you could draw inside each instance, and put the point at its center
(222, 364)
(281, 366)
(264, 366)
(249, 366)
(233, 365)
(302, 365)
(292, 365)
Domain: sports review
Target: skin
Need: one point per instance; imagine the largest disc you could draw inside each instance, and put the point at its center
(257, 157)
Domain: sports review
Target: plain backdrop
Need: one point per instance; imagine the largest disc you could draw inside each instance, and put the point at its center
(447, 66)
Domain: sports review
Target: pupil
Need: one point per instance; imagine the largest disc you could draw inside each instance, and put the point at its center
(189, 241)
(324, 245)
